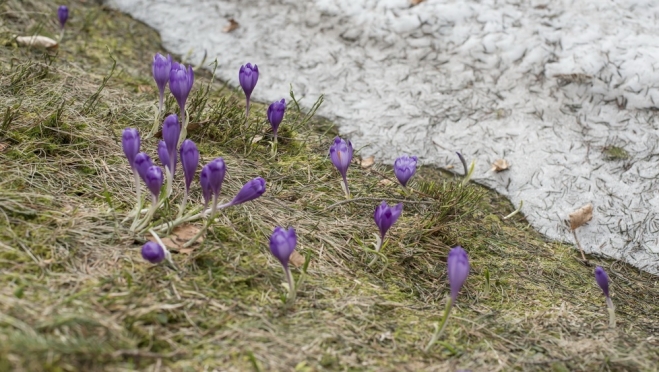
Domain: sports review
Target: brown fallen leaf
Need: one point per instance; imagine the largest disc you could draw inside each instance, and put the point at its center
(257, 138)
(368, 162)
(179, 236)
(416, 2)
(500, 165)
(297, 259)
(231, 26)
(37, 41)
(3, 146)
(144, 88)
(385, 182)
(582, 215)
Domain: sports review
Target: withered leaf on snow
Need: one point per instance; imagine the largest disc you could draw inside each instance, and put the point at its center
(37, 41)
(231, 26)
(500, 165)
(582, 215)
(416, 2)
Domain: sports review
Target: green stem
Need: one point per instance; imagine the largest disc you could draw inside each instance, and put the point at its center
(149, 215)
(291, 285)
(345, 188)
(184, 126)
(156, 122)
(208, 223)
(183, 205)
(378, 246)
(440, 328)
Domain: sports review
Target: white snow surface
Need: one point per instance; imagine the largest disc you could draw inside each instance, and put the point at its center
(544, 84)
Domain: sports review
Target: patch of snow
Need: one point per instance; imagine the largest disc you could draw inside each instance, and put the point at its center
(547, 85)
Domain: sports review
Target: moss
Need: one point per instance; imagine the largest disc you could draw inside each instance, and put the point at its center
(613, 153)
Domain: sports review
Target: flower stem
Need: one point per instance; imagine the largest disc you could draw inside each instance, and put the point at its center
(184, 126)
(208, 222)
(247, 106)
(170, 180)
(156, 122)
(612, 312)
(378, 246)
(291, 285)
(138, 193)
(183, 205)
(439, 328)
(345, 188)
(149, 215)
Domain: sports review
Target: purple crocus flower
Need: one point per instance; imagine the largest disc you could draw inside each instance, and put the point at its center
(180, 84)
(250, 191)
(385, 216)
(276, 115)
(458, 270)
(142, 164)
(248, 77)
(154, 179)
(189, 161)
(341, 155)
(171, 130)
(602, 280)
(206, 190)
(130, 142)
(404, 168)
(161, 67)
(282, 244)
(63, 15)
(216, 171)
(163, 155)
(153, 252)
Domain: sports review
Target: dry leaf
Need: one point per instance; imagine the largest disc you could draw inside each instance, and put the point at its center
(144, 88)
(500, 165)
(257, 138)
(37, 41)
(181, 235)
(3, 146)
(385, 182)
(367, 162)
(231, 26)
(582, 215)
(297, 259)
(416, 2)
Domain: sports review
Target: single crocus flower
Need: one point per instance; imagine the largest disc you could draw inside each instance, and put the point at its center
(404, 168)
(154, 179)
(205, 185)
(211, 179)
(248, 77)
(142, 164)
(250, 191)
(385, 216)
(163, 155)
(602, 280)
(180, 84)
(458, 270)
(161, 68)
(153, 252)
(276, 115)
(282, 245)
(130, 143)
(189, 161)
(341, 155)
(171, 130)
(63, 15)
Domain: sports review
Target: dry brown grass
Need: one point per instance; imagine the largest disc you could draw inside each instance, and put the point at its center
(76, 294)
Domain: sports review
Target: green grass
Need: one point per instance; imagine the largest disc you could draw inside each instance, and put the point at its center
(76, 295)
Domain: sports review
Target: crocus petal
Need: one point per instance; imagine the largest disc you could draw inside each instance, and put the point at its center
(404, 168)
(341, 155)
(248, 77)
(189, 161)
(458, 270)
(250, 191)
(385, 216)
(275, 113)
(154, 179)
(282, 244)
(161, 68)
(142, 164)
(153, 252)
(63, 15)
(602, 280)
(130, 142)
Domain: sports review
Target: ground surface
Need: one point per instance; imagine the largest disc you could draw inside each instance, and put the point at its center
(566, 91)
(76, 295)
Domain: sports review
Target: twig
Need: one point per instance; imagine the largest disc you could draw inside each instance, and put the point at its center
(379, 199)
(574, 233)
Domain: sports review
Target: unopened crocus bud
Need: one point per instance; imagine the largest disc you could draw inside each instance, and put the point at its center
(250, 191)
(63, 15)
(385, 216)
(404, 168)
(171, 130)
(206, 190)
(142, 164)
(130, 143)
(160, 68)
(341, 155)
(153, 252)
(163, 155)
(248, 77)
(216, 171)
(276, 114)
(458, 270)
(602, 280)
(180, 83)
(189, 161)
(154, 179)
(282, 244)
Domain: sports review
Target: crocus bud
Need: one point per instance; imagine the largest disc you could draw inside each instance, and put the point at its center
(180, 83)
(248, 76)
(282, 244)
(341, 154)
(404, 168)
(153, 252)
(250, 191)
(385, 216)
(602, 280)
(189, 161)
(142, 164)
(160, 68)
(216, 172)
(204, 180)
(171, 130)
(163, 155)
(458, 270)
(63, 15)
(276, 114)
(154, 179)
(130, 142)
